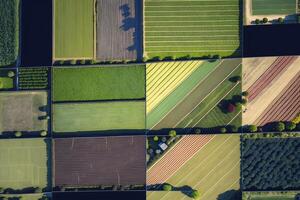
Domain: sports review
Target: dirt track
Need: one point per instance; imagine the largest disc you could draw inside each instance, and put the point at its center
(118, 30)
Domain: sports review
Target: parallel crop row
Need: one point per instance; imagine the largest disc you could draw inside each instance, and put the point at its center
(33, 78)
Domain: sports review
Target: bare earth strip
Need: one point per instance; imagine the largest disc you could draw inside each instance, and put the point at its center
(256, 107)
(175, 158)
(118, 30)
(285, 107)
(197, 95)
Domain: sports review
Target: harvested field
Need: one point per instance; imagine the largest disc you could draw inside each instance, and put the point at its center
(273, 7)
(98, 83)
(195, 28)
(23, 163)
(73, 29)
(119, 30)
(80, 162)
(99, 116)
(213, 170)
(23, 111)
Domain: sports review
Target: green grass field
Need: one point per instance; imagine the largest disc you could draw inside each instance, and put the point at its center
(273, 7)
(75, 117)
(23, 163)
(73, 29)
(197, 28)
(284, 195)
(6, 83)
(98, 83)
(212, 171)
(9, 33)
(22, 196)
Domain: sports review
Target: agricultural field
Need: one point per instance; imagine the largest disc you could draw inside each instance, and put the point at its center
(280, 195)
(9, 37)
(201, 100)
(273, 87)
(83, 162)
(98, 83)
(273, 7)
(7, 79)
(33, 78)
(192, 28)
(23, 111)
(270, 164)
(119, 30)
(24, 165)
(209, 164)
(22, 196)
(73, 29)
(99, 116)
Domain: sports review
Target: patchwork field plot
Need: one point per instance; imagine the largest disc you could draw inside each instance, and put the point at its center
(73, 29)
(33, 78)
(98, 83)
(212, 170)
(195, 28)
(7, 79)
(117, 115)
(119, 29)
(273, 7)
(272, 84)
(270, 164)
(23, 111)
(201, 96)
(99, 161)
(22, 196)
(9, 37)
(23, 164)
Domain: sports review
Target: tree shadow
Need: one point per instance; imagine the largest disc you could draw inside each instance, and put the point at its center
(230, 195)
(186, 190)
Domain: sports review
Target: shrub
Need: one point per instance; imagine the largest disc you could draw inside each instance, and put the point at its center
(222, 130)
(167, 187)
(11, 74)
(61, 62)
(230, 108)
(251, 128)
(235, 79)
(18, 134)
(188, 56)
(38, 190)
(82, 62)
(279, 126)
(298, 127)
(238, 105)
(157, 151)
(73, 62)
(163, 139)
(155, 138)
(257, 21)
(289, 126)
(198, 131)
(232, 128)
(265, 20)
(195, 194)
(244, 102)
(43, 133)
(145, 59)
(172, 133)
(280, 20)
(245, 93)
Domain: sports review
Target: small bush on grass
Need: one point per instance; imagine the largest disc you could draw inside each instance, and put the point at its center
(265, 20)
(167, 187)
(43, 133)
(222, 130)
(172, 133)
(11, 74)
(18, 134)
(155, 138)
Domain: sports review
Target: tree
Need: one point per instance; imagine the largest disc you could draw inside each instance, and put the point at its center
(11, 74)
(290, 126)
(232, 128)
(279, 126)
(245, 93)
(238, 105)
(167, 187)
(43, 133)
(155, 138)
(82, 62)
(195, 194)
(230, 108)
(280, 20)
(235, 79)
(251, 128)
(198, 131)
(73, 62)
(222, 130)
(18, 134)
(257, 21)
(244, 101)
(265, 20)
(172, 133)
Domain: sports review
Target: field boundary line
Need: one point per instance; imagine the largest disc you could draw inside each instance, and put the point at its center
(208, 95)
(204, 78)
(95, 29)
(53, 31)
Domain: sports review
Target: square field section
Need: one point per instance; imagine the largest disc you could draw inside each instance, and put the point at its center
(23, 163)
(23, 111)
(100, 116)
(273, 7)
(73, 29)
(99, 161)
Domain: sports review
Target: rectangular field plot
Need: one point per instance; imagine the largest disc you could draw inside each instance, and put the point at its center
(24, 164)
(98, 83)
(200, 28)
(280, 195)
(119, 29)
(9, 36)
(101, 116)
(23, 111)
(73, 29)
(273, 7)
(209, 164)
(33, 78)
(99, 161)
(22, 196)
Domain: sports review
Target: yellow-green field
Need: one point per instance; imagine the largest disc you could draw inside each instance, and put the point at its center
(213, 171)
(22, 196)
(163, 78)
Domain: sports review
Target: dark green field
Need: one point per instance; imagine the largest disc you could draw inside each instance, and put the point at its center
(273, 7)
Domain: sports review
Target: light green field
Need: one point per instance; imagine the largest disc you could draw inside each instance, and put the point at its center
(273, 7)
(197, 28)
(6, 83)
(73, 29)
(98, 83)
(214, 170)
(284, 195)
(23, 163)
(22, 196)
(121, 115)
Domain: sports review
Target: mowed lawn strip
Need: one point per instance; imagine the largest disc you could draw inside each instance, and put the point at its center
(99, 161)
(180, 92)
(187, 105)
(98, 83)
(99, 116)
(74, 29)
(273, 7)
(212, 171)
(9, 34)
(23, 163)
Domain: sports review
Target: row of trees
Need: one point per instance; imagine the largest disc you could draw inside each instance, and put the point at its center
(273, 126)
(266, 20)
